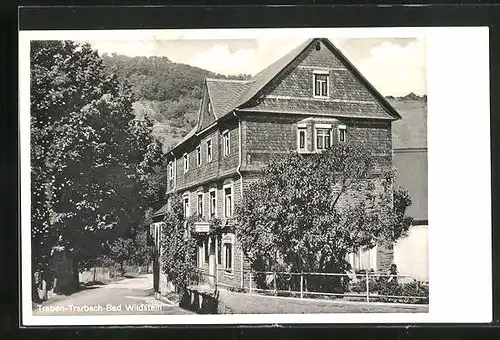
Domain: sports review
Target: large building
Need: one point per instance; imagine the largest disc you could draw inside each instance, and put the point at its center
(306, 101)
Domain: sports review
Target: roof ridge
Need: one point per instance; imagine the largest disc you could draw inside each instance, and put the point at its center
(262, 78)
(230, 80)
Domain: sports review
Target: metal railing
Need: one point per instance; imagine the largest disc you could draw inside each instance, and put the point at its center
(366, 286)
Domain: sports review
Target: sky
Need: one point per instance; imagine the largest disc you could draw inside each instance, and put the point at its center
(395, 66)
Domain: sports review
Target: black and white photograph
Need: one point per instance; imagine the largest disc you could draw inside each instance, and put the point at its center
(183, 175)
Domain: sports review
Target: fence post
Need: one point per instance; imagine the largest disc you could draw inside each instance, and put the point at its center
(275, 288)
(301, 285)
(250, 282)
(367, 287)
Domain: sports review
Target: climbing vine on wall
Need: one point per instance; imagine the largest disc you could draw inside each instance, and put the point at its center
(178, 249)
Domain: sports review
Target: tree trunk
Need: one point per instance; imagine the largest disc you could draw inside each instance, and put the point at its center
(156, 271)
(76, 277)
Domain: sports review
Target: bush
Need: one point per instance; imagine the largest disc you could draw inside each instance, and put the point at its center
(412, 292)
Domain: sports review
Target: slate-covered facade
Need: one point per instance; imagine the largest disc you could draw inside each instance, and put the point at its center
(306, 101)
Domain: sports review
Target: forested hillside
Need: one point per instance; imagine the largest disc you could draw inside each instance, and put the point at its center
(170, 93)
(166, 91)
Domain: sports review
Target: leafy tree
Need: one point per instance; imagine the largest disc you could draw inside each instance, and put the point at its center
(143, 252)
(121, 250)
(308, 212)
(178, 250)
(87, 152)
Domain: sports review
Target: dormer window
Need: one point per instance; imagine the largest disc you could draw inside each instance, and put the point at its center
(320, 84)
(323, 136)
(342, 133)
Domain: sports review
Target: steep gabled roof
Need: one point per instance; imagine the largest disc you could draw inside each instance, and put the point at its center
(224, 93)
(390, 109)
(186, 137)
(265, 76)
(228, 95)
(245, 91)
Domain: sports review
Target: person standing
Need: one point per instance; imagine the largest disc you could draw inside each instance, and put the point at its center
(393, 274)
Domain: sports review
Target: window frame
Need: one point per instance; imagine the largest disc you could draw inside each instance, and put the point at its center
(224, 187)
(199, 160)
(325, 73)
(186, 205)
(209, 150)
(299, 130)
(210, 212)
(198, 201)
(226, 142)
(322, 127)
(171, 170)
(225, 242)
(340, 129)
(185, 157)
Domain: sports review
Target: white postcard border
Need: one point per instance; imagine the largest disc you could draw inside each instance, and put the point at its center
(459, 179)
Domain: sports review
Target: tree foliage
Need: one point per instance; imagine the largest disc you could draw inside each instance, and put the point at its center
(168, 92)
(87, 151)
(178, 249)
(308, 213)
(122, 250)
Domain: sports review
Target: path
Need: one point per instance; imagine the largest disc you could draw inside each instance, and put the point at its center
(131, 296)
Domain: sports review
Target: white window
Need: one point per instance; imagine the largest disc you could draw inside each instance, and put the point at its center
(170, 170)
(209, 151)
(228, 256)
(213, 202)
(320, 79)
(225, 142)
(301, 138)
(198, 155)
(186, 205)
(323, 138)
(186, 162)
(199, 205)
(342, 133)
(228, 200)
